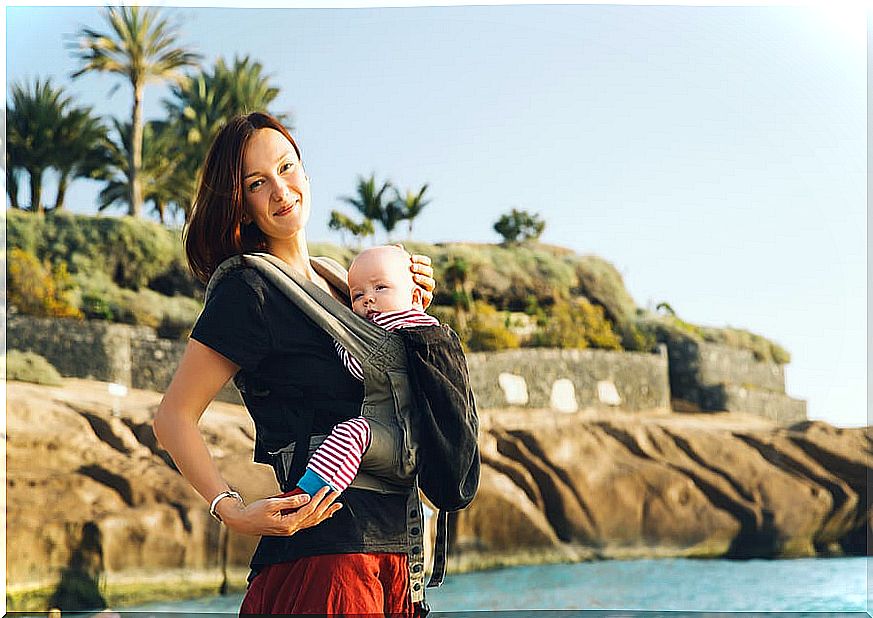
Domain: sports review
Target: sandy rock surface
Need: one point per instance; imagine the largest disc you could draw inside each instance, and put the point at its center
(91, 492)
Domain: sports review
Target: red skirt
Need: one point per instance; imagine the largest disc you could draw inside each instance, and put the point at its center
(344, 584)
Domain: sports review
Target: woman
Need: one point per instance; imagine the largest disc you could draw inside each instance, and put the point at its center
(318, 556)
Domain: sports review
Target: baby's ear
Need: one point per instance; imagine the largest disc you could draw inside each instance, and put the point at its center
(417, 298)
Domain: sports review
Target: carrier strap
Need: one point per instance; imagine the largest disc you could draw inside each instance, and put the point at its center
(440, 549)
(301, 455)
(360, 337)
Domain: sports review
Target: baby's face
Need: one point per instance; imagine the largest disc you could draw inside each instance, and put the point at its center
(380, 280)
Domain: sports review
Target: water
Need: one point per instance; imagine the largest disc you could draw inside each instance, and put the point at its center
(803, 585)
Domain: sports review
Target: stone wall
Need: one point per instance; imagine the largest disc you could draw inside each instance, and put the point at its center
(716, 377)
(570, 380)
(708, 376)
(130, 355)
(92, 349)
(566, 380)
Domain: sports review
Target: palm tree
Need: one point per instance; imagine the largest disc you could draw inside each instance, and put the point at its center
(12, 147)
(78, 140)
(370, 202)
(142, 47)
(158, 174)
(411, 205)
(12, 181)
(343, 224)
(456, 275)
(247, 88)
(202, 103)
(391, 216)
(32, 124)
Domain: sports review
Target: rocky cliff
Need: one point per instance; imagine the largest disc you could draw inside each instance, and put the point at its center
(98, 514)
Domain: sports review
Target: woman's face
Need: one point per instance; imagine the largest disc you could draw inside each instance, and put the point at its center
(275, 186)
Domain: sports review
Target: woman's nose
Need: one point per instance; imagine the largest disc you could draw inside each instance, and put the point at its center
(280, 191)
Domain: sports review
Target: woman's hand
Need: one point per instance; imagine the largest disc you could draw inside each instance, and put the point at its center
(264, 517)
(422, 274)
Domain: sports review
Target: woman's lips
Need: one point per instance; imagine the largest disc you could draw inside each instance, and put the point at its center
(285, 210)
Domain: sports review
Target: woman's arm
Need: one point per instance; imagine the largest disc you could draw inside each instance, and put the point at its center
(201, 374)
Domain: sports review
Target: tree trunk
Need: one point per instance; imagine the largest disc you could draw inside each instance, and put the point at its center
(135, 162)
(160, 207)
(63, 183)
(460, 309)
(35, 190)
(12, 186)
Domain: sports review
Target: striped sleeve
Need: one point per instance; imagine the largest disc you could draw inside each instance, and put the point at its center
(392, 320)
(337, 460)
(349, 361)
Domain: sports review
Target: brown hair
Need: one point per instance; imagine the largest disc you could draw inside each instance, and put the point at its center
(214, 231)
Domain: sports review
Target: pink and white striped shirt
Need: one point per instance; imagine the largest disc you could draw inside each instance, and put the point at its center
(389, 320)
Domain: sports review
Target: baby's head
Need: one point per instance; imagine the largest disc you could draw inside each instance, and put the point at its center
(380, 280)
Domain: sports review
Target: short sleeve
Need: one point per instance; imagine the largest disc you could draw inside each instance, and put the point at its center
(232, 323)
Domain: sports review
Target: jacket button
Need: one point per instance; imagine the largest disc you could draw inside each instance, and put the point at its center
(413, 514)
(416, 587)
(416, 550)
(416, 568)
(415, 531)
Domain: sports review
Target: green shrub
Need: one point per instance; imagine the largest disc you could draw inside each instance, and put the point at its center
(763, 349)
(601, 283)
(31, 367)
(137, 250)
(178, 315)
(444, 314)
(637, 339)
(486, 330)
(177, 279)
(95, 307)
(131, 251)
(666, 329)
(172, 316)
(70, 261)
(35, 288)
(577, 324)
(490, 337)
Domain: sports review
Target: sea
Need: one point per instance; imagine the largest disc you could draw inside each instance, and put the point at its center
(623, 587)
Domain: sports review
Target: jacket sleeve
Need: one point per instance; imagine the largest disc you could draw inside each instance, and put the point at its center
(447, 418)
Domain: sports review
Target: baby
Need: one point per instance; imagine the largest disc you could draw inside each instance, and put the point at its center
(381, 290)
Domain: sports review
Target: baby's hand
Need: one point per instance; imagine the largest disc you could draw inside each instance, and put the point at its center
(293, 492)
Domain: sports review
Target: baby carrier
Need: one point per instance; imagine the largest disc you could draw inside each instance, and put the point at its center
(417, 400)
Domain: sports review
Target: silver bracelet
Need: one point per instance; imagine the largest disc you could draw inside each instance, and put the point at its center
(225, 494)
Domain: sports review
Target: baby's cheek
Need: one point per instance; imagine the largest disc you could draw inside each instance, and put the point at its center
(359, 309)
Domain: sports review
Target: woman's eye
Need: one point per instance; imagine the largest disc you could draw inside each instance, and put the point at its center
(381, 287)
(255, 185)
(286, 166)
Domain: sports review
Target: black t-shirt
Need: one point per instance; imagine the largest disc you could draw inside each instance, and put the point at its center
(288, 364)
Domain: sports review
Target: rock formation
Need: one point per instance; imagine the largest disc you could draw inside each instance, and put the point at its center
(97, 513)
